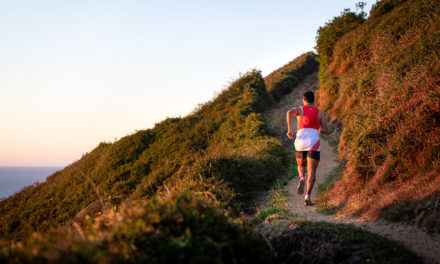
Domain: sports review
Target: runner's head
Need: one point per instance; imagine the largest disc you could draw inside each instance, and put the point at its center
(309, 97)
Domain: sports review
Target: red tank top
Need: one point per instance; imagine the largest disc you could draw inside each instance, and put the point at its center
(309, 119)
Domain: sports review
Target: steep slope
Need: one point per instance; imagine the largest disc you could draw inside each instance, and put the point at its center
(224, 140)
(381, 79)
(281, 81)
(223, 150)
(161, 190)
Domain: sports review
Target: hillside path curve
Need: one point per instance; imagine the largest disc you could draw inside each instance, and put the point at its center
(425, 245)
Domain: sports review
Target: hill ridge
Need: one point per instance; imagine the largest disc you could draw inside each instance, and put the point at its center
(225, 139)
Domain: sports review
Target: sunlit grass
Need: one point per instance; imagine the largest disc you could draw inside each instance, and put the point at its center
(378, 78)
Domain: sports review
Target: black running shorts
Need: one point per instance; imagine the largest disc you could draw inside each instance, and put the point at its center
(302, 155)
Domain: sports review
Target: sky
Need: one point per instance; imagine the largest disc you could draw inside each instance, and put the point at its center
(77, 73)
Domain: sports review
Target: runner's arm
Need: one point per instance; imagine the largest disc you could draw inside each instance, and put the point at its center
(323, 123)
(290, 113)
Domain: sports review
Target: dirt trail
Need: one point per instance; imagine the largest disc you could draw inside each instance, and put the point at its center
(421, 243)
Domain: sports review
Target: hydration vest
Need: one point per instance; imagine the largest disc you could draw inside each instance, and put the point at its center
(309, 119)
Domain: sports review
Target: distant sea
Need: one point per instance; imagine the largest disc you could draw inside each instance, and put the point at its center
(12, 179)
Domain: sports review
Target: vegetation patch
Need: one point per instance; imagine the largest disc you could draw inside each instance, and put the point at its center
(283, 80)
(333, 137)
(332, 177)
(179, 228)
(327, 210)
(277, 207)
(380, 78)
(319, 242)
(423, 213)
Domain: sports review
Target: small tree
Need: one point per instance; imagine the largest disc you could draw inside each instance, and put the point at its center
(361, 6)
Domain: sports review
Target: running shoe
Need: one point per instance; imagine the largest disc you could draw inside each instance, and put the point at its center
(307, 200)
(301, 184)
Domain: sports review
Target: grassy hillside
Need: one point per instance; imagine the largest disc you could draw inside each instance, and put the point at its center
(381, 78)
(173, 188)
(281, 81)
(224, 144)
(170, 194)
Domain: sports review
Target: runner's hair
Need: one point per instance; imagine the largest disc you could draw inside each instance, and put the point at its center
(309, 96)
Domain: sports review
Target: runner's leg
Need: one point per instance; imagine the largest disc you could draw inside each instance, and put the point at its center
(301, 167)
(311, 168)
(301, 160)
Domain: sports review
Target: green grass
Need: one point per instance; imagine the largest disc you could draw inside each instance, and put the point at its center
(293, 169)
(276, 207)
(327, 210)
(332, 138)
(292, 173)
(332, 176)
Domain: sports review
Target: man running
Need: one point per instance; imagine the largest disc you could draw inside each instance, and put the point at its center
(311, 123)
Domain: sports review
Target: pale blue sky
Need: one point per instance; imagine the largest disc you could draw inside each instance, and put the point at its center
(75, 73)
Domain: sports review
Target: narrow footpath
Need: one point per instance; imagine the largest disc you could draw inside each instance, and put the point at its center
(426, 246)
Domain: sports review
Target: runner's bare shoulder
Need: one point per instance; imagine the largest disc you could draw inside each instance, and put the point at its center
(296, 110)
